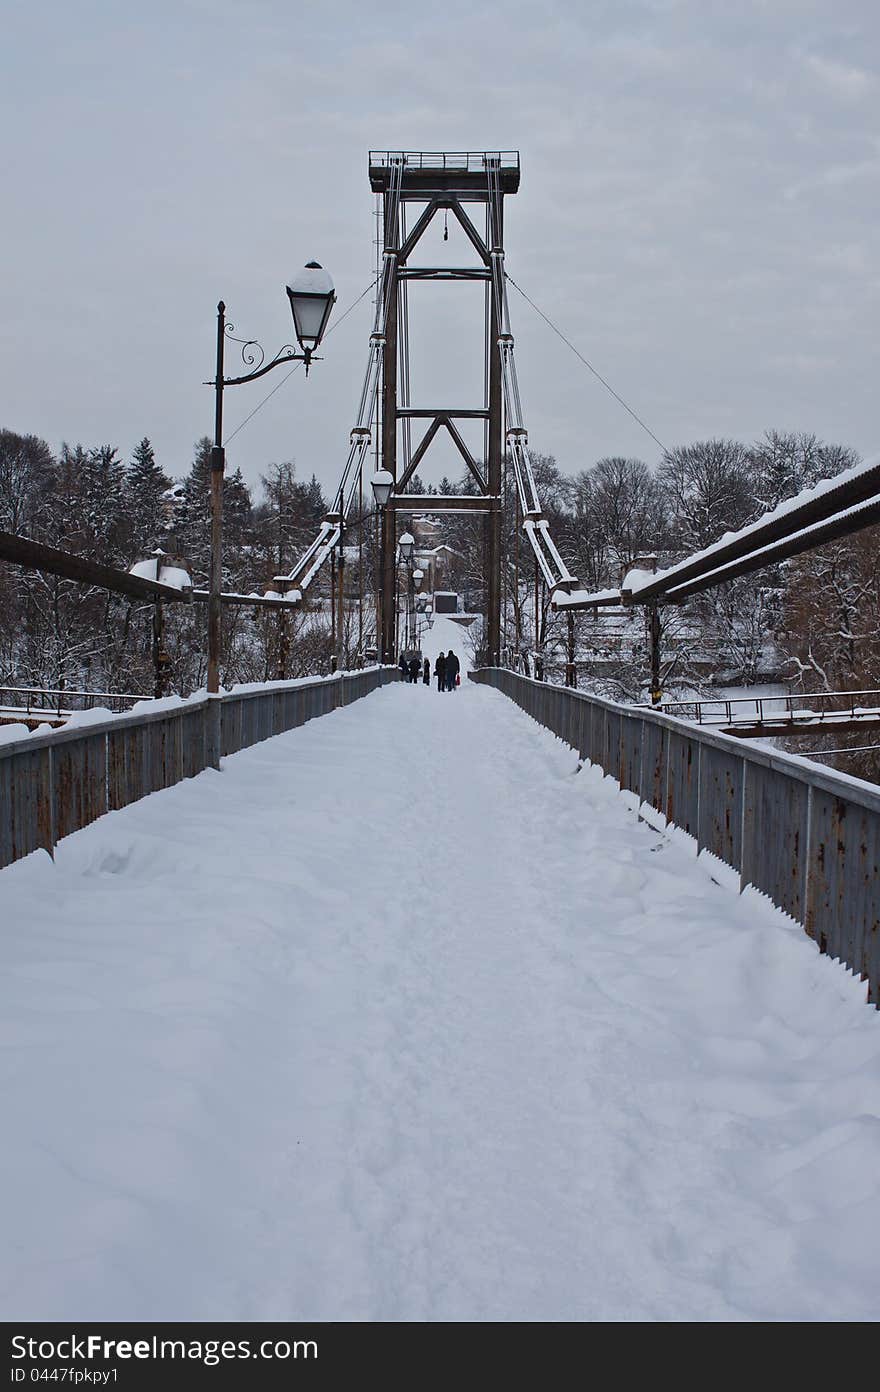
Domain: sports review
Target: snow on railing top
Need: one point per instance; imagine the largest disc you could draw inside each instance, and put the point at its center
(789, 505)
(561, 600)
(150, 706)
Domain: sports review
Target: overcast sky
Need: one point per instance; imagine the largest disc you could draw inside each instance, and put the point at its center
(698, 212)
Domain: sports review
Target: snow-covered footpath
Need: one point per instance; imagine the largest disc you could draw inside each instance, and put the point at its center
(401, 1017)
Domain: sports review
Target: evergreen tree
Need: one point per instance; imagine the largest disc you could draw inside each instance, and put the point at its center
(316, 500)
(145, 506)
(238, 559)
(192, 518)
(103, 502)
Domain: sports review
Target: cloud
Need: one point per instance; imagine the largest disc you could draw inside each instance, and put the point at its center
(690, 171)
(841, 80)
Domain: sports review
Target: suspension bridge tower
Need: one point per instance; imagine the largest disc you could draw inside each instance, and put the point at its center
(471, 188)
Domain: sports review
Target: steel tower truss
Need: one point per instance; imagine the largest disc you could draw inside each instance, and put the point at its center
(441, 182)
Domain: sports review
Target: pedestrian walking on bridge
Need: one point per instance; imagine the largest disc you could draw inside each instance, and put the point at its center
(452, 670)
(440, 672)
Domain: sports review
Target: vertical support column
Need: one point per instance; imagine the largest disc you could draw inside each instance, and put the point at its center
(340, 620)
(493, 521)
(389, 462)
(655, 630)
(161, 662)
(283, 646)
(570, 668)
(539, 656)
(333, 648)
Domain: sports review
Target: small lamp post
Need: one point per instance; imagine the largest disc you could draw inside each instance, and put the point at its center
(405, 546)
(382, 483)
(311, 297)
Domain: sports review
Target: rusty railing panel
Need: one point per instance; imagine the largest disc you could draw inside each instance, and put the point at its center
(806, 837)
(55, 783)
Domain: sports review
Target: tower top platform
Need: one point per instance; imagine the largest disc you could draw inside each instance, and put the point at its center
(432, 173)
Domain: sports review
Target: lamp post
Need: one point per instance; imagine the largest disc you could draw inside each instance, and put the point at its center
(417, 577)
(382, 483)
(311, 297)
(405, 546)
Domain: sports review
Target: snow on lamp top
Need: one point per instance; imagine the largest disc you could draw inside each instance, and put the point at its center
(312, 297)
(382, 482)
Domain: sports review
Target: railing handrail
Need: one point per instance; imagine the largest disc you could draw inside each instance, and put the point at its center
(56, 782)
(754, 700)
(187, 704)
(806, 837)
(829, 780)
(71, 691)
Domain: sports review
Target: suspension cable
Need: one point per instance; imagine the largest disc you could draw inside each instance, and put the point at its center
(596, 374)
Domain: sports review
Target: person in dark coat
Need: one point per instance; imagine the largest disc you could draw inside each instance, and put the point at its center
(426, 673)
(440, 672)
(403, 667)
(452, 669)
(414, 666)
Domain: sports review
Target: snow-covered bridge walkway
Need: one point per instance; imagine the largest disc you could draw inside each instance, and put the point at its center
(401, 1017)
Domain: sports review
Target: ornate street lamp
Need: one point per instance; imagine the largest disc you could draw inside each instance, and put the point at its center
(312, 297)
(405, 546)
(382, 483)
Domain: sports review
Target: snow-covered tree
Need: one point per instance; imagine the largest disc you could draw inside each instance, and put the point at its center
(145, 487)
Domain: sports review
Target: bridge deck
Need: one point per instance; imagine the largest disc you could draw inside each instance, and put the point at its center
(400, 1017)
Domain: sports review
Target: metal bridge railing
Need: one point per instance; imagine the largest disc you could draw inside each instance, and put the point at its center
(55, 783)
(41, 700)
(806, 837)
(796, 708)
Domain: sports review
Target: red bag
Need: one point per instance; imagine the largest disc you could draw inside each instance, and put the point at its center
(457, 679)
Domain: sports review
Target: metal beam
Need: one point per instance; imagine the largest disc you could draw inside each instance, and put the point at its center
(34, 555)
(845, 524)
(445, 273)
(780, 726)
(421, 449)
(421, 412)
(442, 502)
(493, 469)
(468, 457)
(470, 231)
(421, 226)
(751, 539)
(201, 597)
(388, 543)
